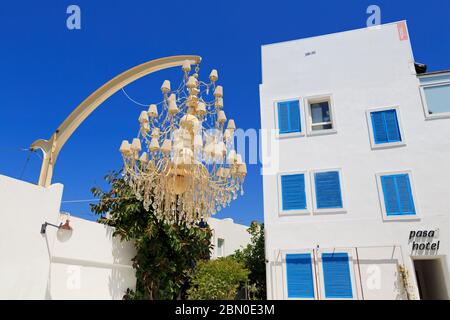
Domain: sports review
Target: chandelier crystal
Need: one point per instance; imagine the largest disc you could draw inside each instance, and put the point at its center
(183, 164)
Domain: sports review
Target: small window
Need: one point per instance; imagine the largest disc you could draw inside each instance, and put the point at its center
(385, 126)
(328, 194)
(320, 115)
(289, 120)
(437, 99)
(299, 274)
(293, 194)
(220, 247)
(397, 195)
(336, 275)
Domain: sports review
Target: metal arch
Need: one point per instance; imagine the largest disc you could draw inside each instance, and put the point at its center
(53, 146)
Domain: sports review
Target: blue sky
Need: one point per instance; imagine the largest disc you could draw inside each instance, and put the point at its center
(47, 70)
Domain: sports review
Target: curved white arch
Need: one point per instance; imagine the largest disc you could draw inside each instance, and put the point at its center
(53, 146)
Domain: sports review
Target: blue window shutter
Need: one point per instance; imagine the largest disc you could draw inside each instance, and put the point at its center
(283, 117)
(392, 129)
(390, 195)
(398, 198)
(379, 129)
(294, 116)
(385, 126)
(299, 276)
(406, 201)
(336, 275)
(328, 190)
(293, 192)
(289, 117)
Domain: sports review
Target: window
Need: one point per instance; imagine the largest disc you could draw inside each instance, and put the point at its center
(220, 247)
(385, 127)
(397, 195)
(320, 115)
(289, 120)
(299, 276)
(336, 275)
(293, 194)
(327, 190)
(437, 99)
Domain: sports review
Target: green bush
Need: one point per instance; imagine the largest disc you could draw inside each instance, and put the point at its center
(217, 279)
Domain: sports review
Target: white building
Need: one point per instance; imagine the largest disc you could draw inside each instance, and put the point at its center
(88, 264)
(361, 184)
(227, 237)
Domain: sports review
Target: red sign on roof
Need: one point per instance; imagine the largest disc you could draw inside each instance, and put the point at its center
(402, 32)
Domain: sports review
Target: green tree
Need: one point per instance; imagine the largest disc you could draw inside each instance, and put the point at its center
(217, 279)
(254, 259)
(166, 253)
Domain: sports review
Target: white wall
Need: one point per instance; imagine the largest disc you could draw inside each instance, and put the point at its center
(235, 235)
(91, 264)
(361, 69)
(25, 253)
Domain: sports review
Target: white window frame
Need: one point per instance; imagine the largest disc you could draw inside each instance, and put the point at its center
(313, 193)
(382, 202)
(428, 116)
(375, 146)
(316, 99)
(289, 213)
(313, 266)
(279, 135)
(320, 274)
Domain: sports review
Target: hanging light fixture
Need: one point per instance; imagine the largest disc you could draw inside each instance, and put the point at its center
(183, 164)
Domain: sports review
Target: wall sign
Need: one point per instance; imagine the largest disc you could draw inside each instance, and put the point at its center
(424, 241)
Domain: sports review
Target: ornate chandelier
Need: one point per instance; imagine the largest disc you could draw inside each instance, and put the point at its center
(189, 168)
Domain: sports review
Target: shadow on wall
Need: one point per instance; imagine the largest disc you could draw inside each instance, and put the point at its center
(120, 278)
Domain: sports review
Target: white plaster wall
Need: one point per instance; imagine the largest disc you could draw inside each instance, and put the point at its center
(24, 253)
(91, 264)
(362, 69)
(235, 235)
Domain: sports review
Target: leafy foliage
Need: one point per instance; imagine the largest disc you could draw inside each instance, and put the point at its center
(253, 258)
(217, 279)
(166, 253)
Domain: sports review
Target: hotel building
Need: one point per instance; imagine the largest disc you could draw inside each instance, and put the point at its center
(358, 204)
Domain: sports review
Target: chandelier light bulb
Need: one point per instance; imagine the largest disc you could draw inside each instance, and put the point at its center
(154, 145)
(152, 111)
(144, 157)
(213, 76)
(136, 145)
(165, 88)
(218, 92)
(219, 103)
(143, 117)
(125, 148)
(173, 109)
(166, 146)
(186, 66)
(221, 117)
(231, 125)
(192, 82)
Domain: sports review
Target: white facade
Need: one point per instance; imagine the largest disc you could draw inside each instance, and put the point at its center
(357, 72)
(88, 263)
(227, 237)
